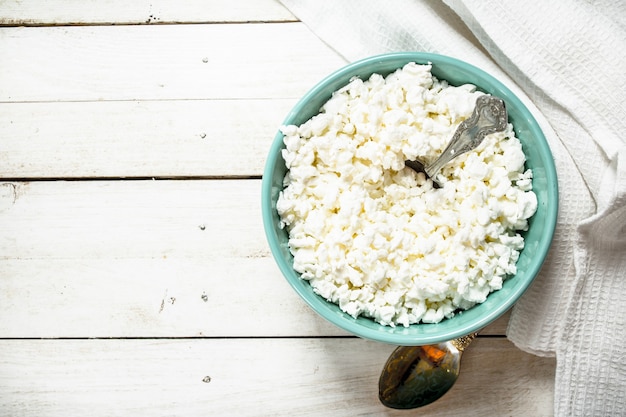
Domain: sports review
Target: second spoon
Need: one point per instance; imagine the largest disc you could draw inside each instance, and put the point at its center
(415, 376)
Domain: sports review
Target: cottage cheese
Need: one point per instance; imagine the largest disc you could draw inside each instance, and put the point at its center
(375, 237)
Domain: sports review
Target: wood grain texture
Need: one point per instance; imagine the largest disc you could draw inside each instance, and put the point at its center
(229, 297)
(162, 62)
(251, 377)
(160, 297)
(144, 258)
(87, 12)
(163, 138)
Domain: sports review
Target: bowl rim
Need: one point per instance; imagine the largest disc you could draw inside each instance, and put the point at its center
(397, 336)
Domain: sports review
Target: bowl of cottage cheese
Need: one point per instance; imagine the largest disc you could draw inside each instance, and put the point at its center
(377, 249)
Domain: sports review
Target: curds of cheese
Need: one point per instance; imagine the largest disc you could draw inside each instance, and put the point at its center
(376, 238)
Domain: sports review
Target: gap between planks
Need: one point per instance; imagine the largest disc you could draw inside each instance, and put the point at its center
(117, 12)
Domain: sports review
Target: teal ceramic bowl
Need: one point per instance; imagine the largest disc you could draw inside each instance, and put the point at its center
(537, 239)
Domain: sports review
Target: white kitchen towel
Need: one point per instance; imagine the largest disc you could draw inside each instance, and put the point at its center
(567, 62)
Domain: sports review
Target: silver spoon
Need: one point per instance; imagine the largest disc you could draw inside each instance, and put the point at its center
(415, 376)
(489, 116)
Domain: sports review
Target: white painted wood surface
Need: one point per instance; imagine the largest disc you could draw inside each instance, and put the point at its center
(250, 377)
(138, 138)
(161, 62)
(133, 264)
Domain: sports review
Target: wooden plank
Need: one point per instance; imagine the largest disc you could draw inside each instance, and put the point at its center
(74, 12)
(216, 297)
(161, 62)
(131, 220)
(167, 138)
(144, 258)
(211, 296)
(290, 377)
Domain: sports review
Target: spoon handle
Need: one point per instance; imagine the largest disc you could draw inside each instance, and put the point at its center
(463, 342)
(489, 116)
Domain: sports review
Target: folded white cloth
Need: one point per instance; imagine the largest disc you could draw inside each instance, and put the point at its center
(566, 60)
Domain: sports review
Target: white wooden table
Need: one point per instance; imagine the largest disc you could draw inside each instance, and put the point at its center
(135, 278)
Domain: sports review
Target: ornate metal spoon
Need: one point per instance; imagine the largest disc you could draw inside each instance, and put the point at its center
(489, 116)
(415, 376)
